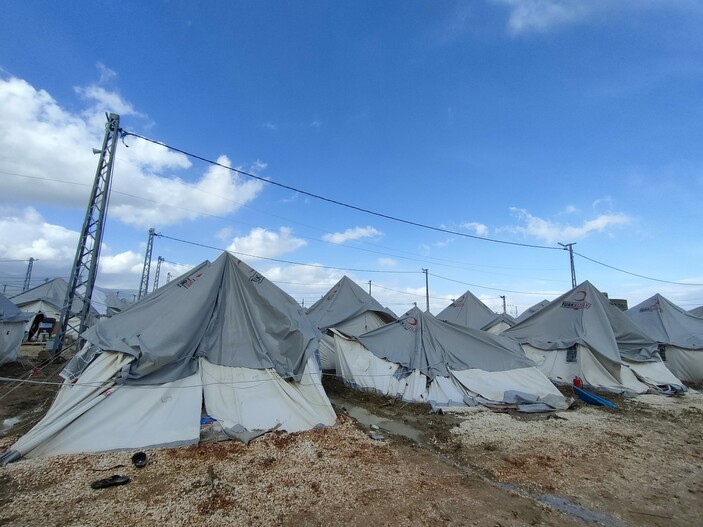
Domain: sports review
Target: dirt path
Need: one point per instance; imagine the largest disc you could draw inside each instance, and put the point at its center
(641, 464)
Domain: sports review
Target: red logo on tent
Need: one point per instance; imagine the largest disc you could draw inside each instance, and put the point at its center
(579, 301)
(409, 324)
(654, 306)
(459, 302)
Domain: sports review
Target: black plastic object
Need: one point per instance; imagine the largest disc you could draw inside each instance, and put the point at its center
(110, 482)
(139, 459)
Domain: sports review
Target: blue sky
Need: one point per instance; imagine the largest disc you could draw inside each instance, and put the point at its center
(525, 121)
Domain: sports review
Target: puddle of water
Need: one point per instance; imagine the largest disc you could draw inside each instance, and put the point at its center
(564, 505)
(366, 418)
(559, 503)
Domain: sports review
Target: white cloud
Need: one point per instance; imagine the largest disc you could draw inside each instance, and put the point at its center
(387, 262)
(478, 228)
(171, 200)
(551, 232)
(607, 200)
(316, 124)
(267, 244)
(125, 262)
(542, 16)
(25, 234)
(46, 157)
(224, 233)
(352, 234)
(270, 126)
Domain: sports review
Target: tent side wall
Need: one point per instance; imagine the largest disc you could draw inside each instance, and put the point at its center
(559, 366)
(686, 364)
(11, 336)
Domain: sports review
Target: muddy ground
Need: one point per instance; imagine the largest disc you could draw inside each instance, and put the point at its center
(641, 464)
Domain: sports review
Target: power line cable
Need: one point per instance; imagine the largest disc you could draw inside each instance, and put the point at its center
(319, 266)
(490, 288)
(634, 274)
(337, 202)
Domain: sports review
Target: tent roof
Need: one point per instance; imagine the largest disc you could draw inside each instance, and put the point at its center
(532, 310)
(344, 301)
(697, 311)
(584, 315)
(667, 323)
(418, 340)
(500, 317)
(224, 311)
(467, 311)
(9, 312)
(53, 292)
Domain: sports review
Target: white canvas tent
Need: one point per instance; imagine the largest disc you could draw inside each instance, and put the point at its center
(581, 334)
(349, 310)
(422, 359)
(221, 338)
(679, 333)
(12, 322)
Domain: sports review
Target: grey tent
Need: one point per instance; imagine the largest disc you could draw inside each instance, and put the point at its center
(420, 358)
(222, 337)
(697, 311)
(12, 323)
(499, 323)
(348, 309)
(581, 334)
(48, 299)
(532, 310)
(679, 333)
(468, 311)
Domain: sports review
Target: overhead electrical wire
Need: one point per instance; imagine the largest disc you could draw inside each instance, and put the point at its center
(319, 266)
(634, 274)
(334, 201)
(125, 133)
(486, 287)
(395, 253)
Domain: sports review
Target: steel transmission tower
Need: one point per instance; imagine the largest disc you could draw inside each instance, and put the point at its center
(28, 276)
(74, 315)
(159, 261)
(144, 286)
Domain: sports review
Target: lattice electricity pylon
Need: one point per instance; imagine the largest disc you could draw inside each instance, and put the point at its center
(28, 276)
(159, 261)
(74, 313)
(144, 286)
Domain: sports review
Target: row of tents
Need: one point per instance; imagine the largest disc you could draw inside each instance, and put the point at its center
(222, 344)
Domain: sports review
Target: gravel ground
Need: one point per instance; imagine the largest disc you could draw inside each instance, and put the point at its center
(641, 464)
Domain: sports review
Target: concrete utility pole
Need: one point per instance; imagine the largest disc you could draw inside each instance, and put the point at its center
(504, 310)
(28, 276)
(144, 285)
(427, 289)
(570, 247)
(74, 314)
(369, 287)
